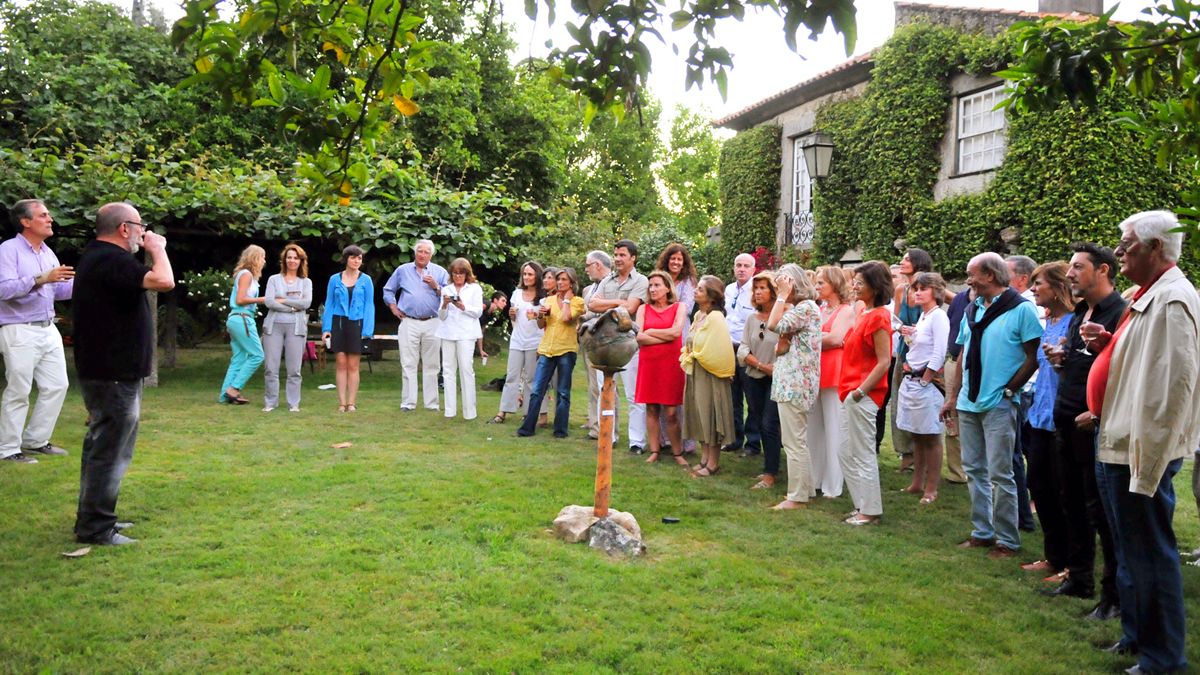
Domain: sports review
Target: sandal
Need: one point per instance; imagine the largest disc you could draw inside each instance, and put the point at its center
(679, 459)
(699, 466)
(708, 471)
(351, 408)
(498, 419)
(653, 457)
(341, 408)
(762, 484)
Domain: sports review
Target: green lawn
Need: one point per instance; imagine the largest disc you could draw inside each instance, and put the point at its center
(425, 547)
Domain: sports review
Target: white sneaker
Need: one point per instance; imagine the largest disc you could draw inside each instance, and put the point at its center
(294, 408)
(268, 408)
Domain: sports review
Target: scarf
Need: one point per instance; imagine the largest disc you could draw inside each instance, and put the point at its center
(1007, 300)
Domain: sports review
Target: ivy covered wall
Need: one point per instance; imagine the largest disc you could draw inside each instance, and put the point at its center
(1067, 176)
(750, 190)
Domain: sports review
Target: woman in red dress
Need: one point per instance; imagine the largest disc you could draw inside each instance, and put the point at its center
(660, 378)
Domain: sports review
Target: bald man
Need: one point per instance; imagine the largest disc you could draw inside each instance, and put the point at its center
(739, 307)
(113, 351)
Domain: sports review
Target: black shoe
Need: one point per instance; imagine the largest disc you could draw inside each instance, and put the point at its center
(1104, 611)
(1120, 648)
(1027, 528)
(636, 449)
(113, 538)
(1071, 587)
(730, 448)
(749, 451)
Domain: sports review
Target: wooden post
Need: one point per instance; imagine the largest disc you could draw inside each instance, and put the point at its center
(608, 412)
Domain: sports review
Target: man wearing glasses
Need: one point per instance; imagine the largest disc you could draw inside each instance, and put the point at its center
(31, 280)
(113, 351)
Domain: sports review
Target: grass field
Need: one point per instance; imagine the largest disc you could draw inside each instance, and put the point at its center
(425, 547)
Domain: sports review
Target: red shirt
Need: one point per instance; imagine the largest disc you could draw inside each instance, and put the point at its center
(858, 354)
(1097, 383)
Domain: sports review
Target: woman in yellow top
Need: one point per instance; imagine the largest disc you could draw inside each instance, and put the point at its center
(559, 315)
(708, 361)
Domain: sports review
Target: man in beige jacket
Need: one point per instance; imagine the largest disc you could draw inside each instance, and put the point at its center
(1143, 393)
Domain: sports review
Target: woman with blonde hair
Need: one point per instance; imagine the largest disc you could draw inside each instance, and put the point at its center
(825, 417)
(243, 333)
(285, 330)
(558, 316)
(797, 319)
(708, 364)
(1062, 548)
(348, 321)
(660, 380)
(757, 355)
(462, 305)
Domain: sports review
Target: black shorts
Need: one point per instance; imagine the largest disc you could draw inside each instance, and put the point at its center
(346, 336)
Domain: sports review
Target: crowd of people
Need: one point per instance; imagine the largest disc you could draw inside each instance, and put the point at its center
(1039, 385)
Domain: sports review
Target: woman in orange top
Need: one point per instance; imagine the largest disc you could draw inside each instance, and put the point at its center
(825, 418)
(866, 356)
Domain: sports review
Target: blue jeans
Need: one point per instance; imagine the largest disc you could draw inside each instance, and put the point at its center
(761, 408)
(565, 363)
(1024, 438)
(745, 426)
(114, 407)
(247, 352)
(987, 440)
(1149, 579)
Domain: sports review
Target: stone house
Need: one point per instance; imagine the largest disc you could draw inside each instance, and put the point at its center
(973, 145)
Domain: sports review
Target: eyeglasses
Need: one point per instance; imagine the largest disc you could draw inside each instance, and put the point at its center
(1125, 245)
(145, 226)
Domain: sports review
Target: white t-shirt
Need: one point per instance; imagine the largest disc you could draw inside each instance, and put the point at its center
(525, 332)
(461, 324)
(928, 348)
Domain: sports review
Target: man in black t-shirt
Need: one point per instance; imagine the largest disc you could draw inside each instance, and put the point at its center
(1092, 271)
(113, 337)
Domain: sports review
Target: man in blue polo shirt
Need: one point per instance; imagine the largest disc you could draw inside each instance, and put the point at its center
(412, 294)
(1000, 333)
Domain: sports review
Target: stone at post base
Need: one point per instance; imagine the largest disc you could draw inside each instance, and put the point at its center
(606, 535)
(576, 523)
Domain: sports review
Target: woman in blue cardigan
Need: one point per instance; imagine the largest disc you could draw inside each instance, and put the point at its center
(348, 320)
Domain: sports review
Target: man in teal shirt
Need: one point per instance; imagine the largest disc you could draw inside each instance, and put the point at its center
(1000, 333)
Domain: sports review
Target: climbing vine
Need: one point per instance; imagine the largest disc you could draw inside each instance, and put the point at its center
(749, 172)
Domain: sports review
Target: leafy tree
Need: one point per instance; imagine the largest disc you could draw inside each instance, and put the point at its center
(1154, 58)
(613, 170)
(689, 172)
(339, 72)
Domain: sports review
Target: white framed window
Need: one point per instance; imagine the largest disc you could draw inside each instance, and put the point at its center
(981, 131)
(801, 181)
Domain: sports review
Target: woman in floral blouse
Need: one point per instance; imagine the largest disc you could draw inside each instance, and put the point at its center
(797, 376)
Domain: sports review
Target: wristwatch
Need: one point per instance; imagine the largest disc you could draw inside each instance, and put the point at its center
(1008, 393)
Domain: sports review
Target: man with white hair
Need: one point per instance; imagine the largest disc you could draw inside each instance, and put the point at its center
(1142, 394)
(598, 266)
(31, 280)
(1000, 334)
(625, 287)
(412, 294)
(738, 307)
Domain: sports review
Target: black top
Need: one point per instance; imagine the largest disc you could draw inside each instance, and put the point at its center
(958, 307)
(111, 315)
(1072, 379)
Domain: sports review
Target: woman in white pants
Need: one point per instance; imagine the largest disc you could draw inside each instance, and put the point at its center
(285, 330)
(866, 356)
(796, 377)
(462, 305)
(825, 418)
(522, 343)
